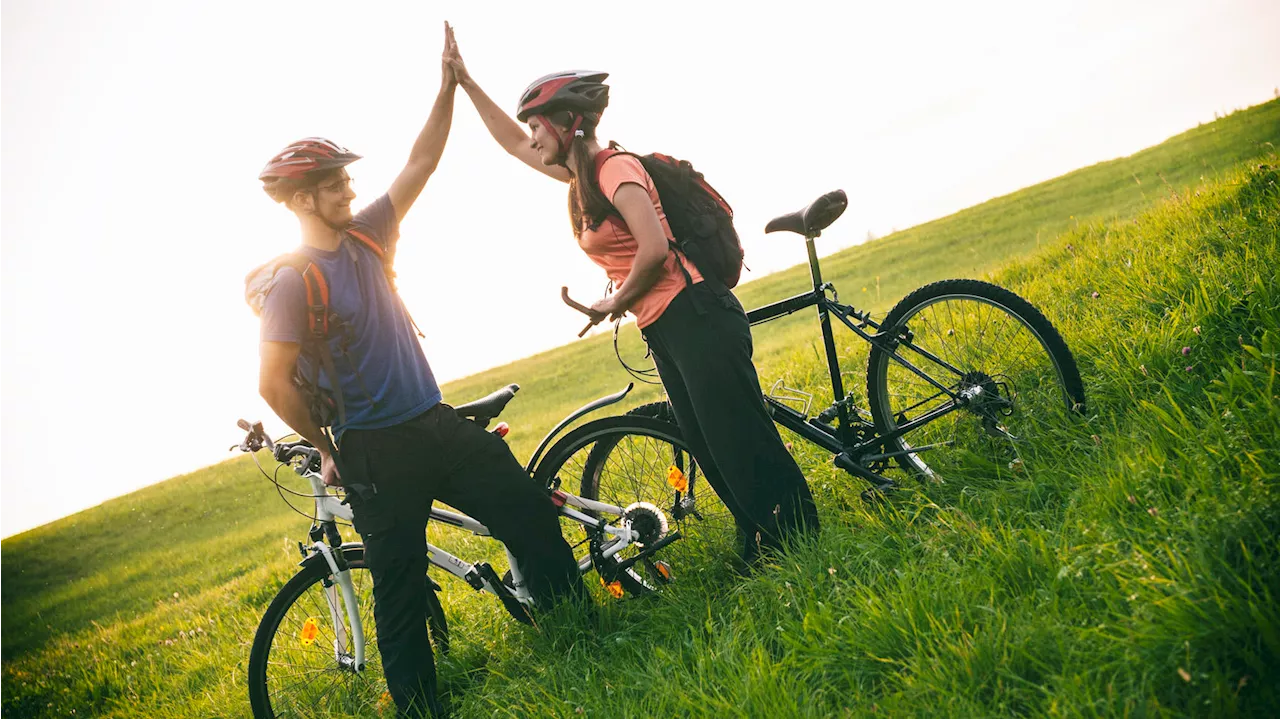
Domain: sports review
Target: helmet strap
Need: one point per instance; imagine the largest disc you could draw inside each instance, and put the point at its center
(562, 141)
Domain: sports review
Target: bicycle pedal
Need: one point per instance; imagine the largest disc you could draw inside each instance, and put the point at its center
(513, 606)
(663, 570)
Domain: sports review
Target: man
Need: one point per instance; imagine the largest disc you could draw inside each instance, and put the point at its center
(393, 433)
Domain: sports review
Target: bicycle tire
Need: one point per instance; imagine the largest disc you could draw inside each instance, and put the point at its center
(362, 689)
(627, 460)
(1017, 403)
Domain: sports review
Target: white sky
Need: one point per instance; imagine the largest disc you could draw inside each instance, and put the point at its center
(133, 133)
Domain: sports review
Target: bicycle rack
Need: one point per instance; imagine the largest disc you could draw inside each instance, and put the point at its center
(792, 395)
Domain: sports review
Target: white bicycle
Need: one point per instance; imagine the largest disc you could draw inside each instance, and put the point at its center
(314, 652)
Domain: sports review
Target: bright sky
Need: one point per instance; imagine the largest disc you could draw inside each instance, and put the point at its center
(133, 133)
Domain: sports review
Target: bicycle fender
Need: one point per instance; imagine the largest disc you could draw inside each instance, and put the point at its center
(585, 409)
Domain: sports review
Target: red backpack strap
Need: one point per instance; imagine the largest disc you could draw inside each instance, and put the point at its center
(376, 247)
(603, 155)
(317, 288)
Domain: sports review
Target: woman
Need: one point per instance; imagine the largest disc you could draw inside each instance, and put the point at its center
(697, 331)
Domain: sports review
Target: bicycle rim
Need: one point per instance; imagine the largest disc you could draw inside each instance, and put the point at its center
(625, 461)
(981, 339)
(629, 467)
(308, 668)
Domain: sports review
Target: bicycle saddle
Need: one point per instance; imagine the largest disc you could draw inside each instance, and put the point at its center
(813, 219)
(483, 410)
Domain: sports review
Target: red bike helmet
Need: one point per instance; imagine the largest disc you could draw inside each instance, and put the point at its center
(581, 93)
(578, 91)
(294, 163)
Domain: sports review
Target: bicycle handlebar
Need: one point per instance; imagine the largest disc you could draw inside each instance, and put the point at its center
(564, 295)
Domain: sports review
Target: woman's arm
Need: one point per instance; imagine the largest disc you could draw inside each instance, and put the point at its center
(637, 211)
(502, 126)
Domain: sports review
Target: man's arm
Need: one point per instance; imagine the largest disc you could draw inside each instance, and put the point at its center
(426, 152)
(275, 384)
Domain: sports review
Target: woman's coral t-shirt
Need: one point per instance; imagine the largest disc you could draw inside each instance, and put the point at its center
(613, 247)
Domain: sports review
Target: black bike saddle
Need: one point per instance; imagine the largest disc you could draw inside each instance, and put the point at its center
(815, 218)
(489, 407)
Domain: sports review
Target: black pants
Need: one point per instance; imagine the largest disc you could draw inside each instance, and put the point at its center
(439, 455)
(702, 347)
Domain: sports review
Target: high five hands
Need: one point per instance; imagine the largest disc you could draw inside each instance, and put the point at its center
(448, 77)
(453, 59)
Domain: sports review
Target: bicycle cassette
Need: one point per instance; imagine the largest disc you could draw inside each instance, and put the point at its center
(646, 520)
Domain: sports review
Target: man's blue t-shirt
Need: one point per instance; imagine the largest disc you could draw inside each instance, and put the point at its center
(383, 374)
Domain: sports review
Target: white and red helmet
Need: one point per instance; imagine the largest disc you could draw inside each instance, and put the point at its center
(300, 159)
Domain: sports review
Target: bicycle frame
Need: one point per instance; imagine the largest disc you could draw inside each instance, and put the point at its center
(341, 597)
(842, 439)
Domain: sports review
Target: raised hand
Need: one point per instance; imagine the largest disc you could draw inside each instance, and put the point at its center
(448, 77)
(454, 58)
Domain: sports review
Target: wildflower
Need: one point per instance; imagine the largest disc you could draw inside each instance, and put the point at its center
(175, 595)
(831, 571)
(1153, 511)
(1016, 464)
(1196, 329)
(1095, 295)
(1133, 499)
(1144, 370)
(1186, 676)
(1096, 439)
(1186, 351)
(1190, 367)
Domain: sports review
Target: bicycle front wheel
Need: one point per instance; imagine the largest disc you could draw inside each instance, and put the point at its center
(638, 460)
(302, 662)
(989, 354)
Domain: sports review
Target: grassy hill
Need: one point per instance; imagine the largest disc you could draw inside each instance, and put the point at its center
(1135, 572)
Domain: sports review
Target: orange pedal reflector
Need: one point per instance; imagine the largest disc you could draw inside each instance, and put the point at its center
(664, 569)
(615, 588)
(676, 479)
(310, 629)
(502, 429)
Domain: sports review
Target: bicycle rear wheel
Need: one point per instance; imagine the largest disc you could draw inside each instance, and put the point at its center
(634, 460)
(982, 342)
(302, 662)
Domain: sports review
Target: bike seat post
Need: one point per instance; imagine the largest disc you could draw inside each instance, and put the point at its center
(814, 270)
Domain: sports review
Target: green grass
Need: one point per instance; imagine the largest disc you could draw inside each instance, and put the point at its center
(1130, 570)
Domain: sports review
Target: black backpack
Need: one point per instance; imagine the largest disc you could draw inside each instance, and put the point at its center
(700, 219)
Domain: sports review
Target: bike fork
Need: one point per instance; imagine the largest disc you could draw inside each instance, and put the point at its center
(342, 585)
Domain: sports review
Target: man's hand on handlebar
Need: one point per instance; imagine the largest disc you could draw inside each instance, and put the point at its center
(329, 470)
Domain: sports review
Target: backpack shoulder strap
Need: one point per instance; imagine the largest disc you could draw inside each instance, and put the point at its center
(377, 248)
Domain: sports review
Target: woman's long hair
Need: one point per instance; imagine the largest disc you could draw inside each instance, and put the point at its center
(588, 206)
